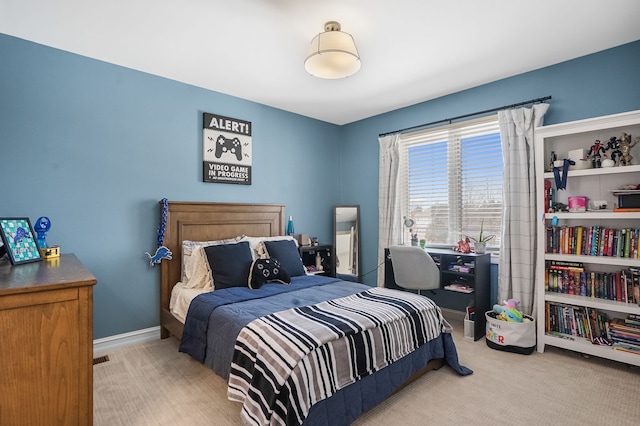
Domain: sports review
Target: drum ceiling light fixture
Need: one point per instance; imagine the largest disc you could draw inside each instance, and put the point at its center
(333, 54)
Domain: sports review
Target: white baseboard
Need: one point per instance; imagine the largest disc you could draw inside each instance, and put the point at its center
(105, 344)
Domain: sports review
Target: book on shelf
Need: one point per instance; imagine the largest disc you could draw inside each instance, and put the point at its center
(623, 326)
(626, 339)
(572, 278)
(624, 335)
(563, 264)
(625, 348)
(631, 336)
(548, 196)
(633, 320)
(581, 322)
(578, 321)
(594, 240)
(626, 209)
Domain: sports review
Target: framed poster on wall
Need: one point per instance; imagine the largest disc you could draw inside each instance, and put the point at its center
(226, 149)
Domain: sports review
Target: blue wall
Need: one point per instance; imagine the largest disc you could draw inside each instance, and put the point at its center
(604, 83)
(94, 147)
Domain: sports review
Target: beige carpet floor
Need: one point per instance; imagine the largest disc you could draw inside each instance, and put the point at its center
(154, 384)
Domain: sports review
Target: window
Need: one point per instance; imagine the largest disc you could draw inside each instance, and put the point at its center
(451, 181)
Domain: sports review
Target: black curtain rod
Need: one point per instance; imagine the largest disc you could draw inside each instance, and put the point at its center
(420, 126)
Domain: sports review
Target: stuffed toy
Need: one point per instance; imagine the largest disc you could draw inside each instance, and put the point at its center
(508, 312)
(463, 246)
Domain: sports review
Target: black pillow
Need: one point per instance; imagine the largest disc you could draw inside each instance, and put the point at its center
(229, 264)
(288, 255)
(267, 270)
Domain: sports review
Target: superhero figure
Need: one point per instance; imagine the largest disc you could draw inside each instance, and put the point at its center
(625, 149)
(596, 150)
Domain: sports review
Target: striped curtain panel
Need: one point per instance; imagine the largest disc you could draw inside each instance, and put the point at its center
(389, 216)
(516, 277)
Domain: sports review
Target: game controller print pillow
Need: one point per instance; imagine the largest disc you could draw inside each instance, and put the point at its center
(267, 270)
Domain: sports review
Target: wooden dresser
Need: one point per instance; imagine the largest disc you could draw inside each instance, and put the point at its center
(46, 335)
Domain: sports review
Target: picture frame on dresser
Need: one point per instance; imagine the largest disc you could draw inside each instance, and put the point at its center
(18, 239)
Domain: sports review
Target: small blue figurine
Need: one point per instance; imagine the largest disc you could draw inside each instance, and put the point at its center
(42, 226)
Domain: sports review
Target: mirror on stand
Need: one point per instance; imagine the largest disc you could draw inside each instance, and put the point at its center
(346, 242)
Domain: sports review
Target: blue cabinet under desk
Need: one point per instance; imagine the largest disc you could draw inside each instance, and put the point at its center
(465, 280)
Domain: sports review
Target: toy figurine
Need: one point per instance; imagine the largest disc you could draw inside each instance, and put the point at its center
(463, 246)
(625, 149)
(553, 159)
(613, 144)
(595, 151)
(42, 226)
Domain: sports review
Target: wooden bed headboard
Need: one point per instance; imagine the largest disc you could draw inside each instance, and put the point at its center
(201, 221)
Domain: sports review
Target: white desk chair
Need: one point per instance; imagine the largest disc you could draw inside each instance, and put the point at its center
(414, 269)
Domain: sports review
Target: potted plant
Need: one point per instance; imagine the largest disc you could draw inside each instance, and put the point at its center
(414, 237)
(480, 243)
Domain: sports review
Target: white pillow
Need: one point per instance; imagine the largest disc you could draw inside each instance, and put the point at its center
(257, 248)
(195, 268)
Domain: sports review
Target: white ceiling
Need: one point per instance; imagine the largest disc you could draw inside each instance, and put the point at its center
(411, 50)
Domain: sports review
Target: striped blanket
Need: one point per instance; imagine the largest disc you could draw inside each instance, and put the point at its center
(285, 362)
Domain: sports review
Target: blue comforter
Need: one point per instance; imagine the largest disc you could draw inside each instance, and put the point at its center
(215, 319)
(227, 311)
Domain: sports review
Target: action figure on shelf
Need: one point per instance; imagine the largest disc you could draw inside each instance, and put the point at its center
(552, 161)
(625, 149)
(613, 145)
(595, 152)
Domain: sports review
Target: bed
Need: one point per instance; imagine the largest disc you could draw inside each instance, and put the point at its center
(246, 315)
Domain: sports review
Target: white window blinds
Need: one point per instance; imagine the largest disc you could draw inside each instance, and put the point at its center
(451, 181)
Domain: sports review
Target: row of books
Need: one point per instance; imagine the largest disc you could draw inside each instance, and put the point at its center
(578, 321)
(572, 278)
(593, 240)
(625, 334)
(568, 321)
(549, 197)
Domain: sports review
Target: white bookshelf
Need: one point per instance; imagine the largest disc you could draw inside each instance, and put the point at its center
(595, 184)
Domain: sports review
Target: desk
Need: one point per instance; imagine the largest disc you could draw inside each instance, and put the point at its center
(479, 279)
